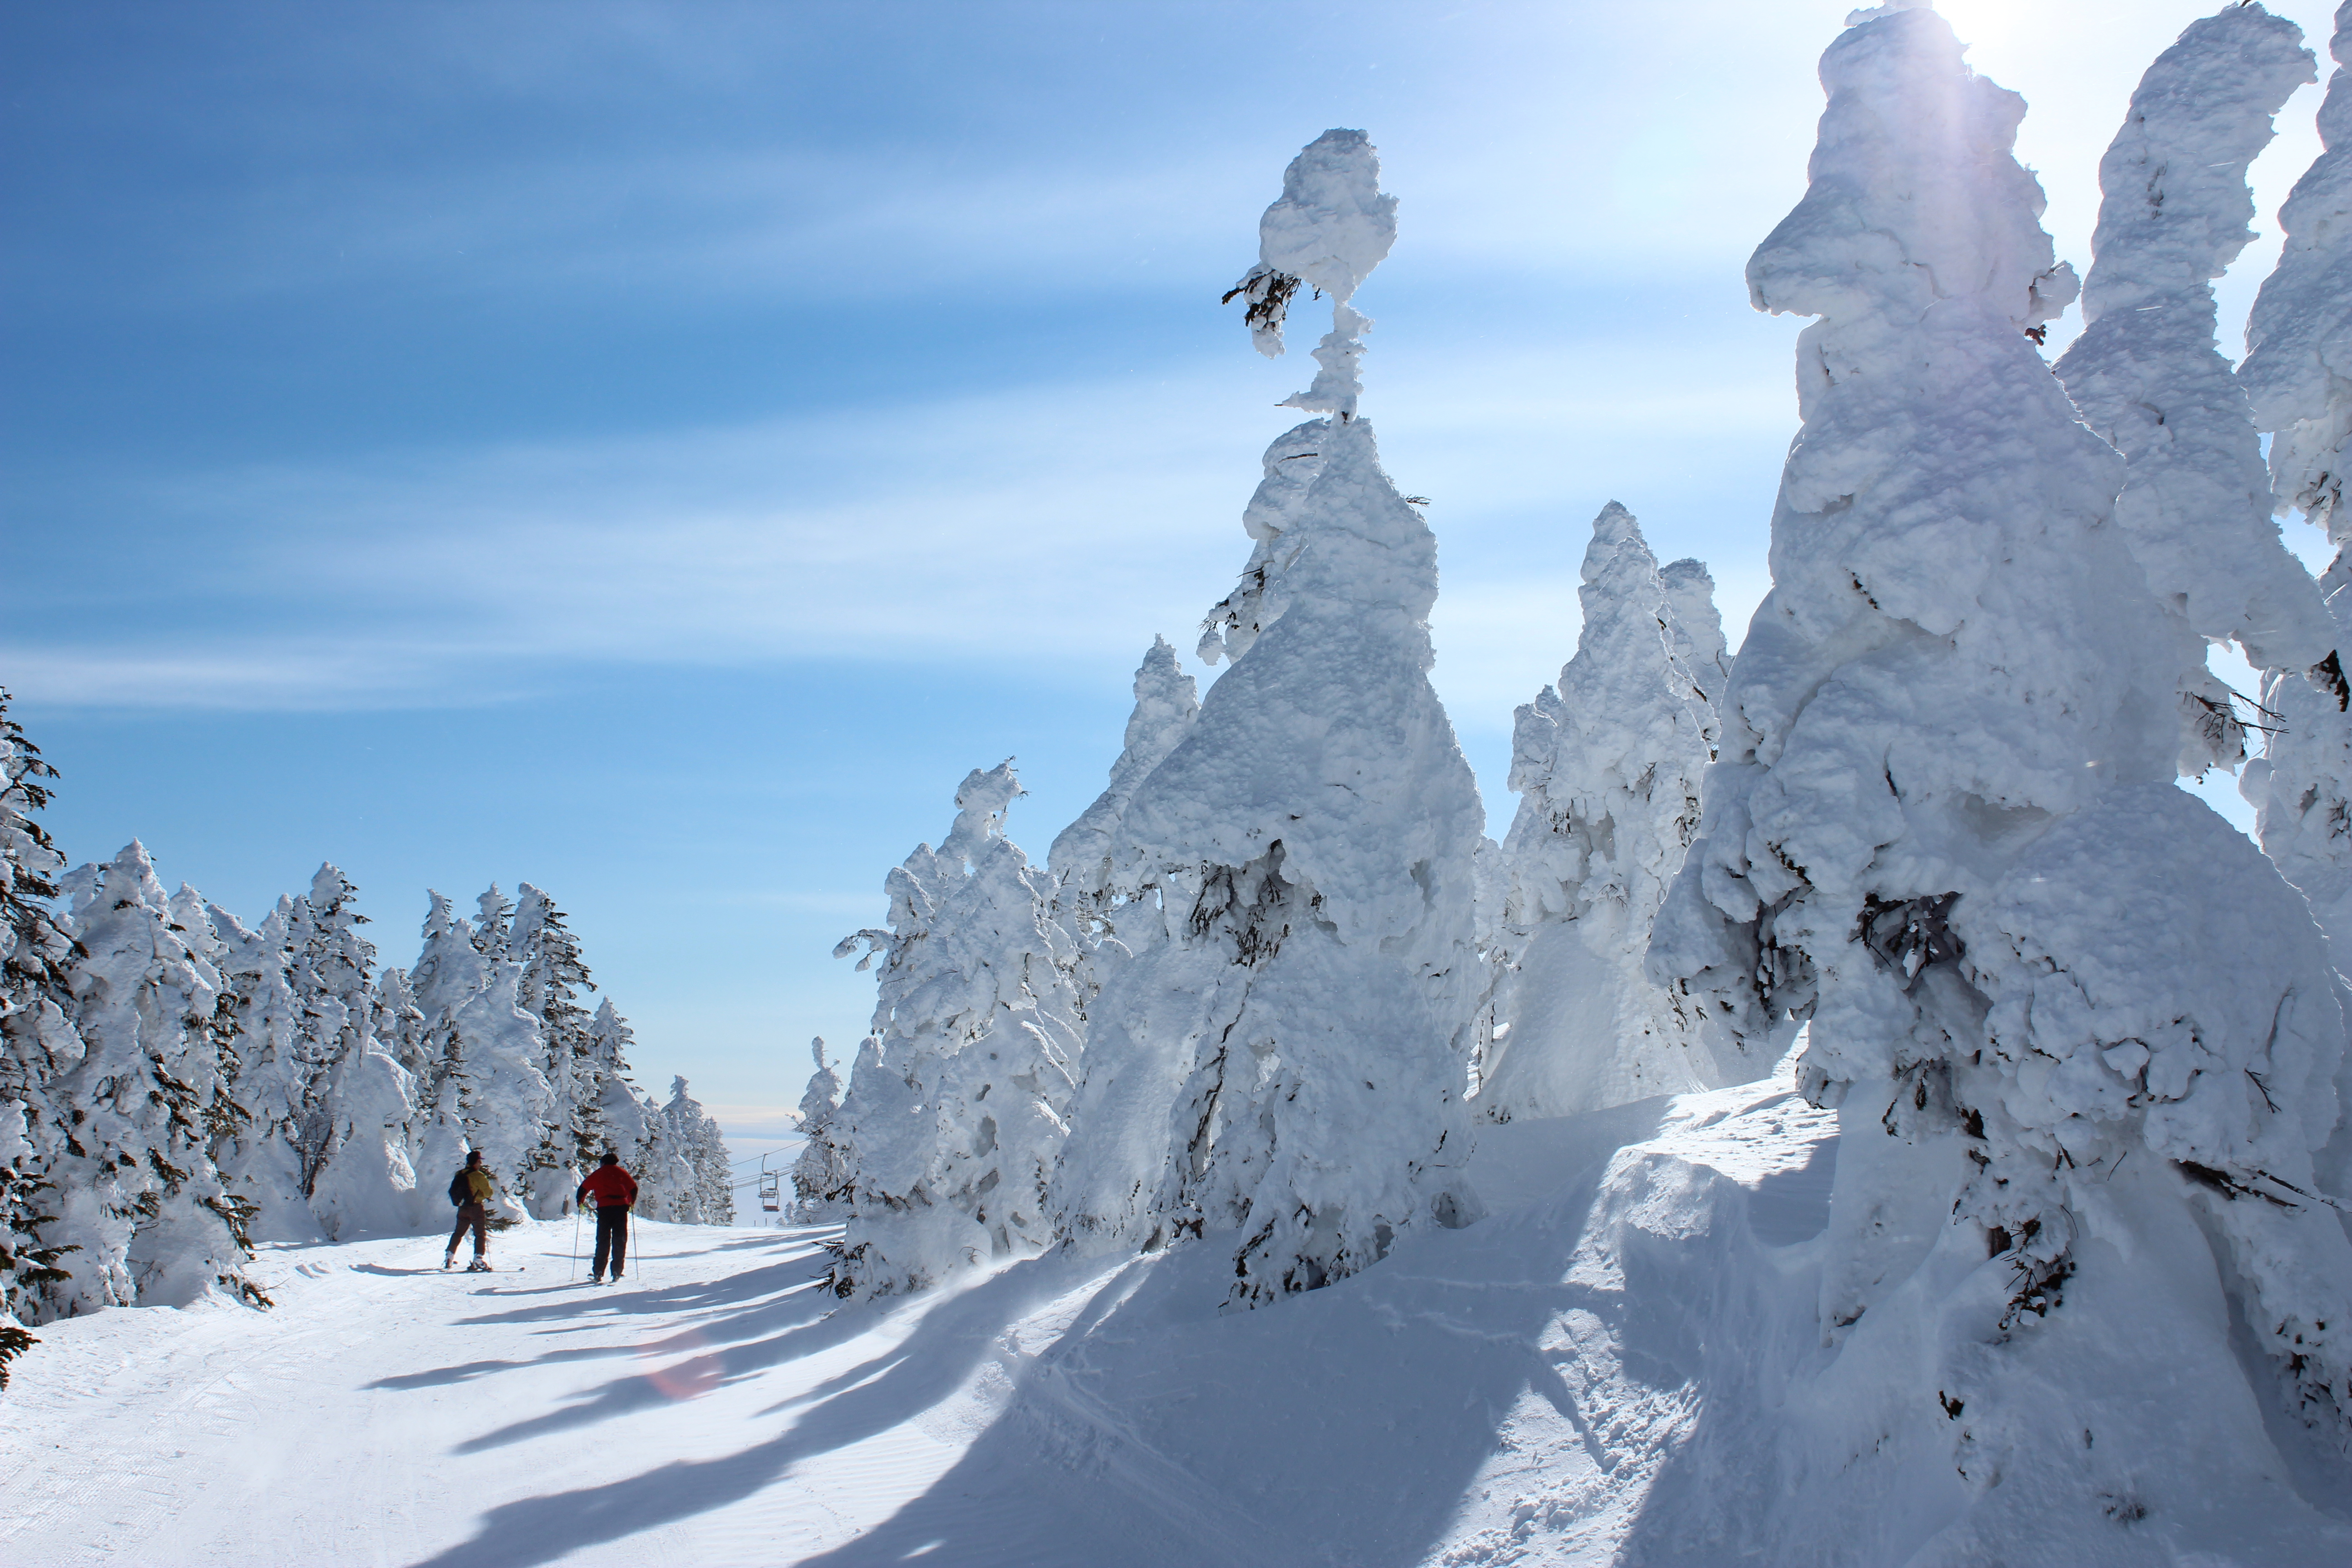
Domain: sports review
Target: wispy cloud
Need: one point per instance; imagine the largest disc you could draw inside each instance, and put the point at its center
(1041, 529)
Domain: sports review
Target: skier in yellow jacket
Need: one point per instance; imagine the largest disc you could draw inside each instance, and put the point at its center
(471, 1190)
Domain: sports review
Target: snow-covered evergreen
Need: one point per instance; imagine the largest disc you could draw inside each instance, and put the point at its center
(959, 1106)
(2146, 375)
(37, 1043)
(493, 1093)
(553, 976)
(1607, 766)
(1283, 1064)
(821, 1174)
(2298, 374)
(260, 1157)
(1943, 827)
(699, 1143)
(138, 1195)
(633, 1123)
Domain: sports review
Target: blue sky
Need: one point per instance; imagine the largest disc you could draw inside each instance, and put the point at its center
(653, 450)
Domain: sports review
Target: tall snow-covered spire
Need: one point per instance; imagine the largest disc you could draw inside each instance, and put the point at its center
(2146, 374)
(1944, 827)
(1607, 767)
(2298, 374)
(1166, 703)
(2298, 367)
(1283, 1066)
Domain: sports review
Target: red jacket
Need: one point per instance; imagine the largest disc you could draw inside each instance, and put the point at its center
(611, 1187)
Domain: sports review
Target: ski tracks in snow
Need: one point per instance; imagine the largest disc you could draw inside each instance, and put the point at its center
(1511, 1392)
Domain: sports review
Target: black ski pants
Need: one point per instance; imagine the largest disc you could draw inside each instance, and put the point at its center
(611, 1240)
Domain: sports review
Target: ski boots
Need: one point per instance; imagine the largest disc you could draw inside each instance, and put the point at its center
(479, 1265)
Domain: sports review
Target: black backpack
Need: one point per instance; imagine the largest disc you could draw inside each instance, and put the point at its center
(457, 1194)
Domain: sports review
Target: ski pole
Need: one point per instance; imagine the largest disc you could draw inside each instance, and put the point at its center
(574, 1277)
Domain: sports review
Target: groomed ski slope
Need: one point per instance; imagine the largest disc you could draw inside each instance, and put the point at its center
(1514, 1392)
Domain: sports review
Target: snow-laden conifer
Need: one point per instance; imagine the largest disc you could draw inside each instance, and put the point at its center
(2146, 374)
(1943, 824)
(1284, 1065)
(39, 1044)
(332, 972)
(1167, 700)
(1607, 766)
(492, 1093)
(704, 1149)
(138, 1192)
(955, 1116)
(821, 1174)
(554, 976)
(260, 1155)
(633, 1123)
(2298, 376)
(1166, 703)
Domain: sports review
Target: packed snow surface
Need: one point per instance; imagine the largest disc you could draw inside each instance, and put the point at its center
(1625, 1356)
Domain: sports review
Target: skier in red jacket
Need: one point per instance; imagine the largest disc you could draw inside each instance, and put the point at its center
(613, 1190)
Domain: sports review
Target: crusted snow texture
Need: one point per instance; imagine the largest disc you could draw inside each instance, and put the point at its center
(1329, 227)
(958, 1107)
(2297, 371)
(2146, 374)
(1943, 805)
(1292, 465)
(821, 1174)
(2298, 376)
(1282, 1064)
(1607, 767)
(1166, 703)
(138, 1192)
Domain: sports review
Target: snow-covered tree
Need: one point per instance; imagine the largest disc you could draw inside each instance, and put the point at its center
(955, 1115)
(634, 1124)
(553, 976)
(821, 1174)
(332, 972)
(1943, 824)
(1166, 703)
(38, 1043)
(2298, 376)
(699, 1142)
(2146, 375)
(491, 1092)
(260, 1155)
(1283, 1062)
(1607, 766)
(139, 1194)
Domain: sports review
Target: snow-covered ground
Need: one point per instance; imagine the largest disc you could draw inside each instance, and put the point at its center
(1486, 1395)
